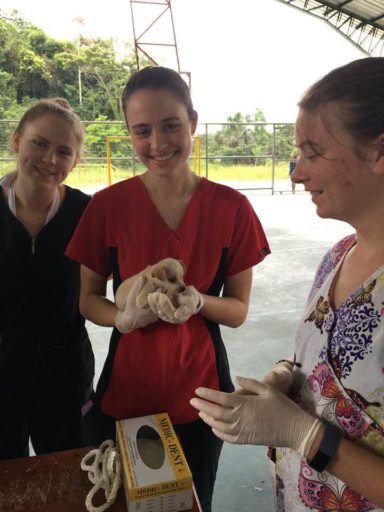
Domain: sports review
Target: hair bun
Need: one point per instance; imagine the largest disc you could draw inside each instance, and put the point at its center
(62, 102)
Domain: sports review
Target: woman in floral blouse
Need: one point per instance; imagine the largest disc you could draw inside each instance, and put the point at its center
(328, 433)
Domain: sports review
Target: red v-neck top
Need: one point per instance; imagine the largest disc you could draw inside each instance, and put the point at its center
(157, 368)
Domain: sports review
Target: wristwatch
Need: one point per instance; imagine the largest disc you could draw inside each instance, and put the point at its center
(327, 449)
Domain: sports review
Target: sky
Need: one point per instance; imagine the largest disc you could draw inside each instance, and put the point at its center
(241, 54)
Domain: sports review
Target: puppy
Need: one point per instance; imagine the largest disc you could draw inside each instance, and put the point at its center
(166, 276)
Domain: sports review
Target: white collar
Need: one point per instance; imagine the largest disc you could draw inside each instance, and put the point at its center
(9, 181)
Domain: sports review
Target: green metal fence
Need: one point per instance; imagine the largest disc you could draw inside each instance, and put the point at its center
(250, 156)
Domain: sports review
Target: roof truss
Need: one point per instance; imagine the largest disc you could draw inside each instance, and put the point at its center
(360, 21)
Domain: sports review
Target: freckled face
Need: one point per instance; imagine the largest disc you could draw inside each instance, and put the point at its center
(47, 150)
(161, 130)
(341, 182)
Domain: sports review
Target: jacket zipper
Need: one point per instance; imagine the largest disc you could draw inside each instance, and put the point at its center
(33, 245)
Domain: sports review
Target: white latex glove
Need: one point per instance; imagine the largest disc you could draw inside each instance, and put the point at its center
(266, 417)
(280, 376)
(134, 317)
(191, 301)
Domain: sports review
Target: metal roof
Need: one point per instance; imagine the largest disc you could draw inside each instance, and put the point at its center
(360, 21)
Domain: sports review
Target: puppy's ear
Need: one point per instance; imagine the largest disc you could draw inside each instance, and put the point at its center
(144, 280)
(182, 265)
(142, 296)
(159, 272)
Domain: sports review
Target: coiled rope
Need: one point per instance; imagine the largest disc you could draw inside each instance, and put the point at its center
(104, 473)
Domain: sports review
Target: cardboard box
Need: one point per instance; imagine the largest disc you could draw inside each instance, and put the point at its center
(156, 475)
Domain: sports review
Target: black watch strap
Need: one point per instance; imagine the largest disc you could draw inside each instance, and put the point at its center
(327, 449)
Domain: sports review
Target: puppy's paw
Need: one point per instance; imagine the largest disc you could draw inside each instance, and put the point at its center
(190, 297)
(142, 300)
(161, 305)
(182, 313)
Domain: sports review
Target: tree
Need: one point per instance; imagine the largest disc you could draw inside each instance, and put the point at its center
(284, 141)
(95, 139)
(29, 70)
(241, 141)
(34, 66)
(249, 140)
(262, 140)
(103, 74)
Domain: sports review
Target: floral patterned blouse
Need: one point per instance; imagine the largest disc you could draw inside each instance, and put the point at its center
(341, 381)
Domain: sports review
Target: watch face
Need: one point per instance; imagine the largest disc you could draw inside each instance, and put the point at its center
(319, 461)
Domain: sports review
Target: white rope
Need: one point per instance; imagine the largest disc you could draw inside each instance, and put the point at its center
(104, 472)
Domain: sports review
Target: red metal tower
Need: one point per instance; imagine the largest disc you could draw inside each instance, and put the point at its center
(154, 32)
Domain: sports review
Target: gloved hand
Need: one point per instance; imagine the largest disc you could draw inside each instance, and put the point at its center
(280, 376)
(190, 303)
(134, 317)
(266, 417)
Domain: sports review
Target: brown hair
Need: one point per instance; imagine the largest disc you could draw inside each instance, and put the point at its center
(156, 78)
(357, 89)
(58, 107)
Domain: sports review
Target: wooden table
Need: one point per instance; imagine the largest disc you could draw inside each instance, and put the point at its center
(53, 482)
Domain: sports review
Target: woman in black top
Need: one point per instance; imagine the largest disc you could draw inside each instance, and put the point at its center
(46, 359)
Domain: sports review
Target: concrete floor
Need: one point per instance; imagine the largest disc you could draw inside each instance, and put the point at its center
(298, 239)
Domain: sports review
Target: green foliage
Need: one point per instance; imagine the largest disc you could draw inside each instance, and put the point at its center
(249, 140)
(96, 134)
(91, 75)
(88, 72)
(284, 141)
(8, 92)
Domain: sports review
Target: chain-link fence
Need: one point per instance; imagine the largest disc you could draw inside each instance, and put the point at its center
(251, 156)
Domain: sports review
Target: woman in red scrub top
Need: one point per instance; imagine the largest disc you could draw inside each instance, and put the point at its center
(166, 212)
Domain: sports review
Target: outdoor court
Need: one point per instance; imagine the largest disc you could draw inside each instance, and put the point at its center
(298, 239)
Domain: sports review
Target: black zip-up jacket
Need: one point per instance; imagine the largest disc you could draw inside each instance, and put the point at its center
(45, 351)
